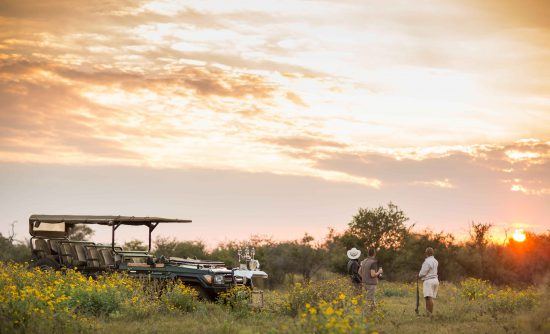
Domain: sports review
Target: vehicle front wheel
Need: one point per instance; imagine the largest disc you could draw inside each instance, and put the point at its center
(203, 295)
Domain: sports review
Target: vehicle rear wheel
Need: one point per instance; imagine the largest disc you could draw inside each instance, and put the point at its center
(45, 264)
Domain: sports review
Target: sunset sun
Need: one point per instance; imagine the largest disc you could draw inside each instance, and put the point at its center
(519, 235)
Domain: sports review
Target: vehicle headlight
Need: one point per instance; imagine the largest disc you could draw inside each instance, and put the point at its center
(208, 278)
(218, 279)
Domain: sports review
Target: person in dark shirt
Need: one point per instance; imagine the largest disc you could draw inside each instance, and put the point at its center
(353, 268)
(370, 272)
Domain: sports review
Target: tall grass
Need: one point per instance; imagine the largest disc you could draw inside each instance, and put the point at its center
(34, 301)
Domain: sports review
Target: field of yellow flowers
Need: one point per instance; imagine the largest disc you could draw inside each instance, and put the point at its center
(34, 301)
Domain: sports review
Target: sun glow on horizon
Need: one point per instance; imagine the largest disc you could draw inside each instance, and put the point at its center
(519, 235)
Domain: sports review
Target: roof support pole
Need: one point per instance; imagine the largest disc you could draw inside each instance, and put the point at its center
(151, 226)
(115, 226)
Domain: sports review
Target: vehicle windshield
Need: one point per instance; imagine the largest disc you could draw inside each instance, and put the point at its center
(49, 230)
(49, 227)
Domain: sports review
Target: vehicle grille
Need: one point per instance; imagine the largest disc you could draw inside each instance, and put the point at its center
(228, 279)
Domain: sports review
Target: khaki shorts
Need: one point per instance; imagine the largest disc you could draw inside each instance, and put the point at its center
(371, 289)
(430, 287)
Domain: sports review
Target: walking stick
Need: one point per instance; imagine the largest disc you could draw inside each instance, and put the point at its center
(417, 297)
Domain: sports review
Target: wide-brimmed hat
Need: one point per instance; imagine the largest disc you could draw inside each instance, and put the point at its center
(354, 253)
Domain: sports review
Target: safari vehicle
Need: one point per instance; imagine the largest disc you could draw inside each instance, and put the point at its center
(52, 249)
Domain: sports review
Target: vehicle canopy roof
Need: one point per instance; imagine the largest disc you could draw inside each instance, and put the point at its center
(58, 226)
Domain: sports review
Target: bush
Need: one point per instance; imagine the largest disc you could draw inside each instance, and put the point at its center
(301, 294)
(510, 301)
(138, 307)
(238, 299)
(101, 296)
(503, 301)
(473, 289)
(343, 314)
(178, 296)
(36, 301)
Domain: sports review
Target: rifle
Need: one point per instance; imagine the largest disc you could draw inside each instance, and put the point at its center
(417, 297)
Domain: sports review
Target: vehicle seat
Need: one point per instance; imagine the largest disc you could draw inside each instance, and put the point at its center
(93, 259)
(108, 258)
(80, 255)
(118, 258)
(41, 249)
(54, 246)
(67, 254)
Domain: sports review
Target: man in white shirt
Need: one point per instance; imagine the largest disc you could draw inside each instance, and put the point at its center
(428, 274)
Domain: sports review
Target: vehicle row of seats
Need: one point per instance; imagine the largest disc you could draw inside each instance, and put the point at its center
(80, 255)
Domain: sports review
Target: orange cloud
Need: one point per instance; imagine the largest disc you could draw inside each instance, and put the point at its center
(445, 183)
(223, 86)
(296, 99)
(304, 142)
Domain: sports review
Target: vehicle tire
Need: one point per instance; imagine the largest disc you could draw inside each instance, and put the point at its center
(203, 295)
(45, 264)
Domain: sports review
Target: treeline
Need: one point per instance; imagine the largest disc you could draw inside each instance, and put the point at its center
(12, 250)
(400, 251)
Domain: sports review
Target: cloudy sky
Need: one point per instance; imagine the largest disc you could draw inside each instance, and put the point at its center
(276, 117)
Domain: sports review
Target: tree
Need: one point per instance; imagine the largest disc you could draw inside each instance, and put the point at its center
(335, 247)
(405, 263)
(479, 234)
(184, 249)
(475, 258)
(283, 260)
(134, 245)
(308, 259)
(379, 227)
(80, 232)
(13, 250)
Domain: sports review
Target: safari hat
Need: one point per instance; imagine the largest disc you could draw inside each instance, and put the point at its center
(354, 253)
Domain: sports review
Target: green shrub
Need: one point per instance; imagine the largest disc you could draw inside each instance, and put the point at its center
(341, 315)
(179, 296)
(139, 307)
(95, 301)
(301, 294)
(39, 301)
(238, 299)
(104, 295)
(510, 301)
(473, 289)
